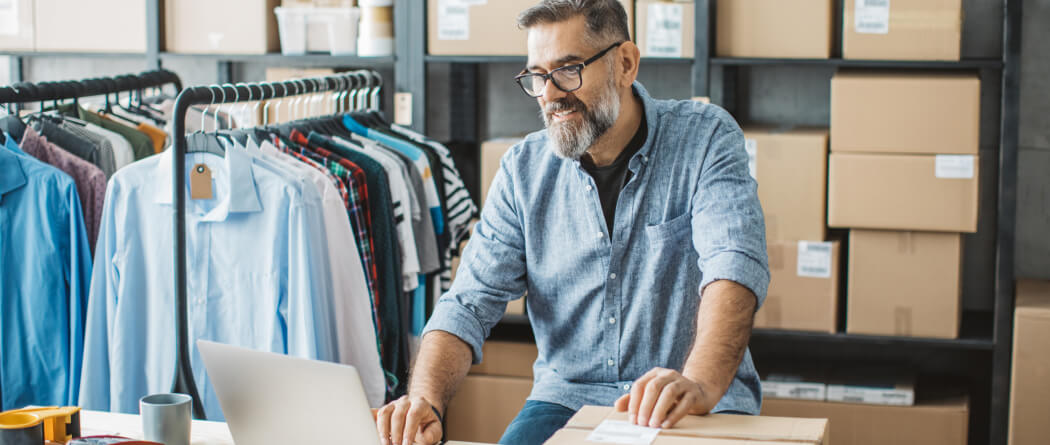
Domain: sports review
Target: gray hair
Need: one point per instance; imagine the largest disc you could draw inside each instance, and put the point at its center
(606, 19)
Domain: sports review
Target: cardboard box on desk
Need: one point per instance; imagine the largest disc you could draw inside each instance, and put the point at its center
(803, 288)
(902, 30)
(666, 29)
(904, 284)
(905, 113)
(205, 27)
(483, 407)
(17, 30)
(483, 28)
(711, 429)
(791, 167)
(774, 28)
(903, 192)
(115, 26)
(933, 422)
(1029, 386)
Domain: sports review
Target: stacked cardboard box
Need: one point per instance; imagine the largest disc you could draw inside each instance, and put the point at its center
(903, 177)
(188, 30)
(666, 28)
(56, 25)
(773, 28)
(492, 394)
(1029, 383)
(902, 30)
(941, 421)
(790, 166)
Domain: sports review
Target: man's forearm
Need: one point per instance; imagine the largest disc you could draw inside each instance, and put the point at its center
(443, 361)
(723, 328)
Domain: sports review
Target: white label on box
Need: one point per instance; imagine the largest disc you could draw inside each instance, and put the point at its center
(618, 431)
(872, 17)
(954, 166)
(453, 20)
(871, 395)
(814, 259)
(403, 109)
(794, 390)
(9, 17)
(751, 147)
(664, 30)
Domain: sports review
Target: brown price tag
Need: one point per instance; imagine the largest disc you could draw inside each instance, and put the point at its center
(200, 182)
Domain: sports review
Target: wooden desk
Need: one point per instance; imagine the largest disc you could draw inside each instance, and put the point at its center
(129, 425)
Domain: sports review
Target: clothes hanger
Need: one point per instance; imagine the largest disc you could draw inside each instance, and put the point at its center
(201, 142)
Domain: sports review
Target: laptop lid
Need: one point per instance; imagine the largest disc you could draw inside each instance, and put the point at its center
(275, 399)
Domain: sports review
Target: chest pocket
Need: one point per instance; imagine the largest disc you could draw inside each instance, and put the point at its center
(670, 235)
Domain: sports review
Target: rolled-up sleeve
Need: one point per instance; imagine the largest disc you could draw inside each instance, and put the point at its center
(728, 226)
(491, 272)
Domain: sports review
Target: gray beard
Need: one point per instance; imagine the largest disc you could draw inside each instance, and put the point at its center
(570, 140)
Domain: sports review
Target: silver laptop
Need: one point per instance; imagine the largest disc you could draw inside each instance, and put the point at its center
(275, 399)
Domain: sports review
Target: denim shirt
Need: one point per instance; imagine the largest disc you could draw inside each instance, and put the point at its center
(608, 307)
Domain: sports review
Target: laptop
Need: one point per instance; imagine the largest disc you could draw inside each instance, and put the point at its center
(276, 399)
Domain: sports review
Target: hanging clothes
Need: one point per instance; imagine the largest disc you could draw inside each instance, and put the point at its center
(45, 267)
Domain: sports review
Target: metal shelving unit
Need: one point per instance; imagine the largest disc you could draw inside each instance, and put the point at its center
(984, 346)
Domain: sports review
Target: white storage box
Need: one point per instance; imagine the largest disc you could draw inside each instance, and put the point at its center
(332, 30)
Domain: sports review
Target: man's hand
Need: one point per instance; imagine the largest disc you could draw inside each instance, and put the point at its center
(407, 421)
(662, 397)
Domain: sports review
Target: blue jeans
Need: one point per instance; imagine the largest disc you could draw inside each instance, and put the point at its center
(536, 423)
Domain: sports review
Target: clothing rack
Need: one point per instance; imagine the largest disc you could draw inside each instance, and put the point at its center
(363, 84)
(26, 92)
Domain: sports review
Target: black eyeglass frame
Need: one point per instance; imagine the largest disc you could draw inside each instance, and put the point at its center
(549, 76)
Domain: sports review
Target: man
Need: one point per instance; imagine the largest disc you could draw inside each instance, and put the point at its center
(635, 229)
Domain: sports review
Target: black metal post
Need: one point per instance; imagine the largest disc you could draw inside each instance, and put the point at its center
(703, 31)
(153, 27)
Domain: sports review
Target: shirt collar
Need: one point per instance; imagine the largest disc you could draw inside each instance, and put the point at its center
(649, 110)
(12, 174)
(243, 197)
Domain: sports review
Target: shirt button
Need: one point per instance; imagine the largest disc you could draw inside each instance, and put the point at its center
(612, 276)
(611, 362)
(627, 387)
(612, 320)
(588, 188)
(600, 234)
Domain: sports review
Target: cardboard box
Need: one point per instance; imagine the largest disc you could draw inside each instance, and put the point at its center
(666, 29)
(204, 27)
(715, 428)
(483, 28)
(483, 407)
(903, 192)
(933, 422)
(902, 30)
(1029, 383)
(904, 283)
(905, 113)
(491, 153)
(803, 287)
(796, 29)
(116, 26)
(791, 167)
(16, 25)
(506, 359)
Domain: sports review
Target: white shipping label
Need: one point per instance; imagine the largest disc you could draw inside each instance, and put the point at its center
(9, 17)
(954, 167)
(403, 109)
(814, 259)
(663, 32)
(453, 20)
(751, 146)
(872, 16)
(618, 431)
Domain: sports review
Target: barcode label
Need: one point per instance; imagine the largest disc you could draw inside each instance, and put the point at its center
(663, 33)
(872, 16)
(814, 259)
(453, 20)
(751, 147)
(954, 167)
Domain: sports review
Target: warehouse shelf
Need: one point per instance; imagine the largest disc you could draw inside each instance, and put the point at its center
(966, 64)
(523, 59)
(100, 55)
(305, 60)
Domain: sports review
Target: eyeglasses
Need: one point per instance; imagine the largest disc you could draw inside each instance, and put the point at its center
(568, 78)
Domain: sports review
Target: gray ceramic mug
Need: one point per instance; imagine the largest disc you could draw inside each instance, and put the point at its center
(166, 418)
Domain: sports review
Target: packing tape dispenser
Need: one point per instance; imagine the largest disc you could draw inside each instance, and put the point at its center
(34, 426)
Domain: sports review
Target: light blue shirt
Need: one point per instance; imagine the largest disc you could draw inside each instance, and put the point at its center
(45, 265)
(608, 307)
(255, 277)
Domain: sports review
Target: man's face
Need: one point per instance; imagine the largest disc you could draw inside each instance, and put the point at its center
(574, 120)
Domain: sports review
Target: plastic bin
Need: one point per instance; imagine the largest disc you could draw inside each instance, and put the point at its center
(299, 29)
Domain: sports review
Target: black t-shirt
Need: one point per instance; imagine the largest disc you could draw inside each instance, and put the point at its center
(611, 178)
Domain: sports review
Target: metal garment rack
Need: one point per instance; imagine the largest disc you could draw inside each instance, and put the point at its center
(228, 94)
(28, 92)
